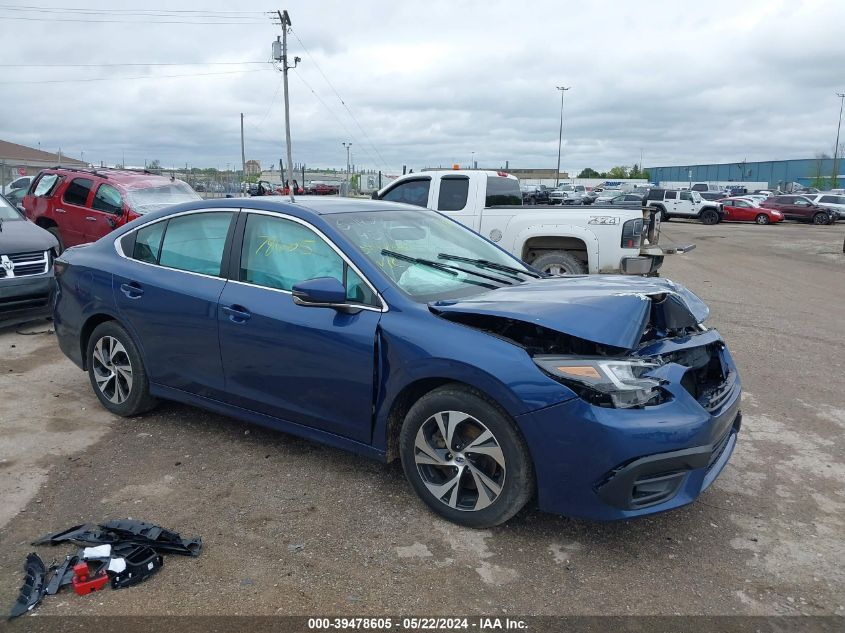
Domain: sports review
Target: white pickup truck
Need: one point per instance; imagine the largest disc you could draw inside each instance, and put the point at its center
(556, 240)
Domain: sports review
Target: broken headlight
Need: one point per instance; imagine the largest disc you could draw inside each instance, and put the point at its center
(608, 382)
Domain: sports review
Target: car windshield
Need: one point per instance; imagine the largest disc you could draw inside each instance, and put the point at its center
(426, 255)
(150, 199)
(7, 211)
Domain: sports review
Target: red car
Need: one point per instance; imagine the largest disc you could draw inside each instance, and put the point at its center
(322, 189)
(741, 209)
(83, 205)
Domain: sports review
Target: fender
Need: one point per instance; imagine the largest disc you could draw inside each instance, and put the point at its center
(529, 230)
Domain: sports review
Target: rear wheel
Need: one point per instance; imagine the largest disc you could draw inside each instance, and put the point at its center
(55, 231)
(821, 218)
(465, 458)
(709, 217)
(117, 372)
(762, 219)
(560, 263)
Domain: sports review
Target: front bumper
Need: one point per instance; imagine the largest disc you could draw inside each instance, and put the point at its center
(27, 297)
(608, 464)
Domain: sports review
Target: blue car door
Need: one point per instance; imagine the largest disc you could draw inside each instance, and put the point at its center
(166, 289)
(308, 365)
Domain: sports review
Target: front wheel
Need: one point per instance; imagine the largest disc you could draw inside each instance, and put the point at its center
(762, 219)
(560, 263)
(465, 458)
(709, 217)
(821, 218)
(117, 372)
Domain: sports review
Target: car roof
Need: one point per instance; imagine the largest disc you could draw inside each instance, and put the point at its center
(307, 204)
(127, 179)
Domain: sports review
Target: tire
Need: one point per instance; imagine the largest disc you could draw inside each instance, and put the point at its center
(560, 263)
(116, 372)
(532, 201)
(709, 217)
(821, 218)
(54, 230)
(762, 219)
(488, 487)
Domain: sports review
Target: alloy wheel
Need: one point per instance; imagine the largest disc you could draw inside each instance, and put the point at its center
(112, 369)
(460, 461)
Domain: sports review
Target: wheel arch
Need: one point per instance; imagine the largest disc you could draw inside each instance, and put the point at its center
(45, 222)
(87, 329)
(534, 241)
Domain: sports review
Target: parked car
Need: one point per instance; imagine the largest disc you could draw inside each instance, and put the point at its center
(606, 195)
(701, 187)
(15, 196)
(322, 189)
(627, 199)
(553, 240)
(394, 332)
(742, 209)
(535, 194)
(712, 195)
(800, 208)
(26, 267)
(833, 201)
(82, 205)
(568, 194)
(21, 182)
(684, 204)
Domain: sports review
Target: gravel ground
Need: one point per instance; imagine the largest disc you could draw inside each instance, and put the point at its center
(292, 527)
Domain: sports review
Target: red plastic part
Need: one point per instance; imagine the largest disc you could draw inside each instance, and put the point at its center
(83, 583)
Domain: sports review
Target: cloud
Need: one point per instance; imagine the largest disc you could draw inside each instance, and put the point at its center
(430, 83)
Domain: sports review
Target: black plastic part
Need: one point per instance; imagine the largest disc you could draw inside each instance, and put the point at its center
(159, 538)
(32, 589)
(125, 531)
(62, 575)
(141, 563)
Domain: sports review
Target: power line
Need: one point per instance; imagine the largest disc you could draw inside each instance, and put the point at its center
(343, 103)
(130, 64)
(32, 7)
(85, 21)
(88, 79)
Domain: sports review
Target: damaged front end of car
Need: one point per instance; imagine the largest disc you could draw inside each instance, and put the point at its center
(655, 410)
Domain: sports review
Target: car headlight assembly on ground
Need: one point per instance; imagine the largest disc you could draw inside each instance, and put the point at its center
(620, 383)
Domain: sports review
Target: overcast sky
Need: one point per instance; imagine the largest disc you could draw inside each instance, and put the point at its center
(428, 83)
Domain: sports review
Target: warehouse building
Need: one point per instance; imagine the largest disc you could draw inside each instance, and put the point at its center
(774, 173)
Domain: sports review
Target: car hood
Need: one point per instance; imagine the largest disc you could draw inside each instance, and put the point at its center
(610, 310)
(20, 236)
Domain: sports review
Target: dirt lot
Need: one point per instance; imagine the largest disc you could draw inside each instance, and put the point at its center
(291, 527)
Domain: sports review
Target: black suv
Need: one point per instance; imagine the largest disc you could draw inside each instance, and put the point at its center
(535, 194)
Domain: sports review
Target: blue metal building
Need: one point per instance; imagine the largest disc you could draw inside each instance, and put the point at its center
(775, 172)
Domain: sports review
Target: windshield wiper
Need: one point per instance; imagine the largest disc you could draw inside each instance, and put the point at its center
(485, 263)
(451, 270)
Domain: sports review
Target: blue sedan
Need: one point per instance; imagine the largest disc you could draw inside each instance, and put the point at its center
(398, 333)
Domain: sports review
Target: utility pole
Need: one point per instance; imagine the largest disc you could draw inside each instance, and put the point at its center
(243, 154)
(833, 180)
(560, 133)
(348, 147)
(282, 56)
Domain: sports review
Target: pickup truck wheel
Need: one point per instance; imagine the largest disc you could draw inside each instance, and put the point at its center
(762, 219)
(821, 218)
(55, 231)
(465, 458)
(709, 217)
(560, 263)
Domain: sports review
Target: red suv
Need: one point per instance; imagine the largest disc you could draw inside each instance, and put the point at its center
(800, 208)
(83, 205)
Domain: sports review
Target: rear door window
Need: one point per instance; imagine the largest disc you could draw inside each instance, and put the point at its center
(671, 195)
(148, 243)
(454, 191)
(77, 191)
(502, 191)
(195, 242)
(411, 192)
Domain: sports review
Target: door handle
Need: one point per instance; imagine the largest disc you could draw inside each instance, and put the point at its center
(59, 210)
(132, 290)
(236, 313)
(91, 219)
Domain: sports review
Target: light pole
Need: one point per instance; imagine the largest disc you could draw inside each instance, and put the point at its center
(833, 181)
(560, 133)
(348, 147)
(472, 161)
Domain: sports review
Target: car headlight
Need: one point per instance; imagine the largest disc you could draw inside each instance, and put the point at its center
(608, 382)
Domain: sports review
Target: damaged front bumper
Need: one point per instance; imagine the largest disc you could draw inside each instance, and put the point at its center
(607, 464)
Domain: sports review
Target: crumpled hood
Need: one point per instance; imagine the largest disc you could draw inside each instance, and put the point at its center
(608, 309)
(21, 236)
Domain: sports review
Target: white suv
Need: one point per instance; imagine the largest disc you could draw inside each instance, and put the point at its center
(833, 201)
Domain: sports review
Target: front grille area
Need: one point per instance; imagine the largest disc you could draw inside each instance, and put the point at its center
(24, 264)
(706, 379)
(24, 302)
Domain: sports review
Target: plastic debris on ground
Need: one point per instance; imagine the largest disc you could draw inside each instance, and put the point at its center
(124, 551)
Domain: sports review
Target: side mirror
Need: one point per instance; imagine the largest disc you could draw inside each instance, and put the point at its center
(374, 195)
(322, 292)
